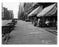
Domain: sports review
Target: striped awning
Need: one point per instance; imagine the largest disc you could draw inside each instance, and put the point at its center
(48, 11)
(35, 11)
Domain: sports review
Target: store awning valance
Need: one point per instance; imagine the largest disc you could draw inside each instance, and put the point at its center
(35, 11)
(48, 11)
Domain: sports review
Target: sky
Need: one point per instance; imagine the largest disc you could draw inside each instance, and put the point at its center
(12, 6)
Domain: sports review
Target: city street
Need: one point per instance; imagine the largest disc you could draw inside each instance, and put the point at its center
(26, 33)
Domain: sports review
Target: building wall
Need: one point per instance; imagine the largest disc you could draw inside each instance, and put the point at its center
(11, 14)
(27, 6)
(5, 14)
(21, 10)
(25, 9)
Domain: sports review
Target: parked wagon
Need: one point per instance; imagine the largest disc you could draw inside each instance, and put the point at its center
(6, 30)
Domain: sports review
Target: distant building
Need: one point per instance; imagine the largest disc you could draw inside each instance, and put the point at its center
(6, 14)
(21, 10)
(11, 14)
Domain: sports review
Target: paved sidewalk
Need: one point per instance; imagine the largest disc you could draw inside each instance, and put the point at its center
(26, 33)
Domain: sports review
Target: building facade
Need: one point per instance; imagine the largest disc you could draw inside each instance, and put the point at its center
(23, 9)
(6, 14)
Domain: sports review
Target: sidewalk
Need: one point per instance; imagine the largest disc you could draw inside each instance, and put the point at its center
(26, 33)
(52, 30)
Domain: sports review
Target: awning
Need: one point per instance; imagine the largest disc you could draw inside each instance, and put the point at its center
(35, 11)
(48, 11)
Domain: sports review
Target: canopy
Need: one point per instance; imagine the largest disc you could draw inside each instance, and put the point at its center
(35, 11)
(48, 11)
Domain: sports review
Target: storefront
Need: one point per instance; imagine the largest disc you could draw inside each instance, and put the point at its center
(33, 15)
(48, 16)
